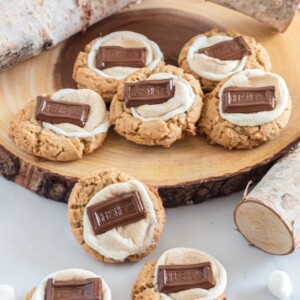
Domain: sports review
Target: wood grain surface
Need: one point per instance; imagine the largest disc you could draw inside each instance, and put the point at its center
(191, 170)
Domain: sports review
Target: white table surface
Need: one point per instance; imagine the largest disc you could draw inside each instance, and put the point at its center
(35, 240)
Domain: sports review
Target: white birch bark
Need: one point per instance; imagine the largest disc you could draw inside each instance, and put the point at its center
(269, 216)
(275, 13)
(30, 26)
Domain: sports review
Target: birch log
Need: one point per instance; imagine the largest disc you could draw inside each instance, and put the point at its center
(31, 26)
(269, 216)
(275, 13)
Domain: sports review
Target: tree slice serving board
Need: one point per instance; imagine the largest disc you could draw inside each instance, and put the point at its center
(191, 170)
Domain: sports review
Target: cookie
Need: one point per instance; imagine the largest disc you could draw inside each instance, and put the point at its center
(104, 79)
(62, 141)
(245, 130)
(108, 222)
(71, 282)
(158, 124)
(149, 283)
(210, 70)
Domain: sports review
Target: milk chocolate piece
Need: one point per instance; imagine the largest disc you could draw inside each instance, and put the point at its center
(234, 49)
(148, 92)
(248, 100)
(81, 289)
(115, 56)
(56, 112)
(176, 278)
(117, 211)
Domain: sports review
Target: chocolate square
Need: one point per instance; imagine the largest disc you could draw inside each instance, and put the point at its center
(115, 56)
(148, 92)
(117, 211)
(58, 112)
(81, 289)
(234, 49)
(176, 278)
(248, 99)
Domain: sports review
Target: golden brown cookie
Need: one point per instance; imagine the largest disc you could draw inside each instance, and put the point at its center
(231, 136)
(259, 59)
(85, 190)
(31, 135)
(144, 287)
(105, 86)
(156, 131)
(29, 295)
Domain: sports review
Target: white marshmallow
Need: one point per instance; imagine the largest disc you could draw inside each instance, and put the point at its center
(280, 284)
(256, 78)
(123, 241)
(7, 292)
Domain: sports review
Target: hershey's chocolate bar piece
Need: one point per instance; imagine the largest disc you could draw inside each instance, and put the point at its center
(118, 211)
(81, 289)
(248, 100)
(234, 49)
(176, 278)
(56, 112)
(115, 56)
(148, 92)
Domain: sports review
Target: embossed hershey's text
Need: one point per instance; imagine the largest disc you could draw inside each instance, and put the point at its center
(225, 49)
(185, 275)
(114, 54)
(250, 97)
(116, 211)
(59, 109)
(145, 91)
(68, 292)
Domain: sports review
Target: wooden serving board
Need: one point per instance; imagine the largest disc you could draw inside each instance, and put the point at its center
(191, 170)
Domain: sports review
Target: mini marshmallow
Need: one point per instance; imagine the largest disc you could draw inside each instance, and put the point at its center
(280, 285)
(7, 292)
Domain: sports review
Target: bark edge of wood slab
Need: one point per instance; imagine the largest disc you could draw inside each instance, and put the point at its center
(40, 181)
(58, 187)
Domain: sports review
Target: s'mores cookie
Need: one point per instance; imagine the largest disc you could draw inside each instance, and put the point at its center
(246, 110)
(181, 273)
(115, 217)
(157, 108)
(63, 126)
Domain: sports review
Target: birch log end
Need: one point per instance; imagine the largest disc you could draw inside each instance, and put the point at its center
(269, 216)
(188, 172)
